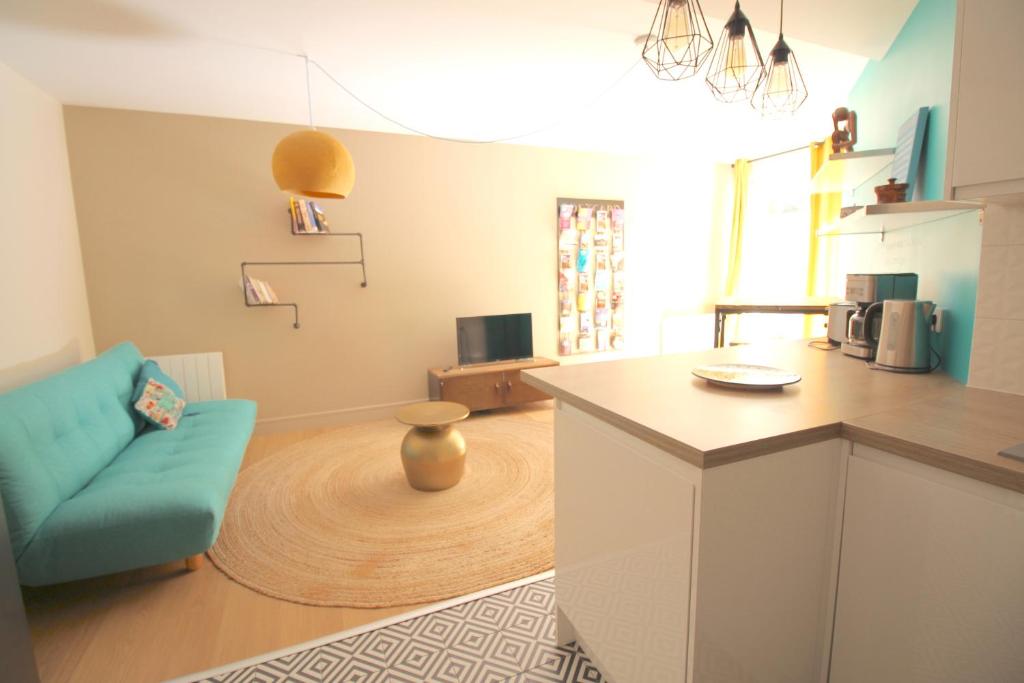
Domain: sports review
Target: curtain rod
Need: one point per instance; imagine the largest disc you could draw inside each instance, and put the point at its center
(776, 154)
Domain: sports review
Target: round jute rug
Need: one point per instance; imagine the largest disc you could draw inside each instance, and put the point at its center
(331, 520)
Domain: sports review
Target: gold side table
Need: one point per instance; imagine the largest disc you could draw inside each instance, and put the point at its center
(433, 452)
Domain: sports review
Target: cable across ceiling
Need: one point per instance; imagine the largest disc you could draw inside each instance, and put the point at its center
(418, 131)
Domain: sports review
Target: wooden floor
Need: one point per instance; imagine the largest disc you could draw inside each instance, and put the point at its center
(162, 622)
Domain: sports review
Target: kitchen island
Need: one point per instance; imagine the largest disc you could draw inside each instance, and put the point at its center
(859, 525)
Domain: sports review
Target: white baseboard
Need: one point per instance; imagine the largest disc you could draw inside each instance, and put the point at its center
(330, 418)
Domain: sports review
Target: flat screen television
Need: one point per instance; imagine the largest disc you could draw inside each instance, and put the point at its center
(491, 338)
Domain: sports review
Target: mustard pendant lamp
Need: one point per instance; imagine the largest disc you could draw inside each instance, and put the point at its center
(312, 163)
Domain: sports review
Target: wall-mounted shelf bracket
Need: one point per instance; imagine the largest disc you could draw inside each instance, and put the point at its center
(848, 170)
(295, 306)
(882, 219)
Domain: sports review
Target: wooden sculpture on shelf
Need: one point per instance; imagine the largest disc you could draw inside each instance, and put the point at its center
(844, 130)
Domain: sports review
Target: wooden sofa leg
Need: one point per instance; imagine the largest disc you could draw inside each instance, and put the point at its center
(194, 562)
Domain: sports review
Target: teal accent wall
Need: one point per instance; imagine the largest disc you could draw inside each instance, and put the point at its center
(917, 72)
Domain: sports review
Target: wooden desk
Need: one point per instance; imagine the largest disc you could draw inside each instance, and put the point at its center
(724, 309)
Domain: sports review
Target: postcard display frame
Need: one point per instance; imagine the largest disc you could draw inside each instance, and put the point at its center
(591, 275)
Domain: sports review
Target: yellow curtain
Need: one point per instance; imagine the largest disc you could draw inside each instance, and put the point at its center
(740, 176)
(824, 211)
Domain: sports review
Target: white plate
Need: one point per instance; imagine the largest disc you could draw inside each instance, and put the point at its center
(746, 376)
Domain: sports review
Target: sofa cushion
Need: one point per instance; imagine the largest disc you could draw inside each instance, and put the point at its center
(161, 499)
(58, 433)
(159, 405)
(152, 370)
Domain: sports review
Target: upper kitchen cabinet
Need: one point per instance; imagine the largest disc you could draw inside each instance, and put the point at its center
(986, 158)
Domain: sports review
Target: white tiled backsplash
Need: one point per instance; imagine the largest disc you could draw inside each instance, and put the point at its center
(997, 355)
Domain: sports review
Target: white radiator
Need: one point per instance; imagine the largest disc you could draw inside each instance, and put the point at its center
(201, 375)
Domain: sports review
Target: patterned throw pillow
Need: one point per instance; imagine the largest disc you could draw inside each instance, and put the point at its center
(150, 370)
(159, 406)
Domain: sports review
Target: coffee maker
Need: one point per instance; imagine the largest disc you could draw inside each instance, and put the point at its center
(868, 291)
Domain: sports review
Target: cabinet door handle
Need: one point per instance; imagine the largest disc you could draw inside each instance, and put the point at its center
(497, 386)
(508, 385)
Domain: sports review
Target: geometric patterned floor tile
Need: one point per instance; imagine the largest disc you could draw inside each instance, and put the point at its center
(507, 637)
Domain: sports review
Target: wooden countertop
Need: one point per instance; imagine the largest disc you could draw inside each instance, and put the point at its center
(961, 431)
(930, 418)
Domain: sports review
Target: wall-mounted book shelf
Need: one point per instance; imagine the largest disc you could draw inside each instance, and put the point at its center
(879, 219)
(254, 301)
(848, 170)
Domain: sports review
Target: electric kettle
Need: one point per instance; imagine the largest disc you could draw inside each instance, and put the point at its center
(905, 343)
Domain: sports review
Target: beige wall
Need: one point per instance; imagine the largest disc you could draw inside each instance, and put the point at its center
(42, 290)
(169, 206)
(997, 357)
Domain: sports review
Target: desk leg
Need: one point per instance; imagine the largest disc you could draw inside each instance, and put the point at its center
(720, 328)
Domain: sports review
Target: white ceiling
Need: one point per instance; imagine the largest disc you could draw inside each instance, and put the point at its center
(456, 68)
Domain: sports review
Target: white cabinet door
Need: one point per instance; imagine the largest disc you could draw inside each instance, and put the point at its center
(766, 567)
(987, 150)
(669, 573)
(931, 581)
(623, 534)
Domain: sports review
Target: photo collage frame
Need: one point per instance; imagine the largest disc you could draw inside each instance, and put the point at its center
(591, 275)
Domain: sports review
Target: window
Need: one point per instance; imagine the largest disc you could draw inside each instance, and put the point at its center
(775, 250)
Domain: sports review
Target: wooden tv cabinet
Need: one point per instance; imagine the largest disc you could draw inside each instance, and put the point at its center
(491, 385)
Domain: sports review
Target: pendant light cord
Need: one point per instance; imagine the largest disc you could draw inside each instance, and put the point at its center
(417, 131)
(309, 94)
(782, 5)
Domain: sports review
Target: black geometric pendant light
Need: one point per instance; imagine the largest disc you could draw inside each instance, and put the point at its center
(783, 89)
(679, 40)
(736, 65)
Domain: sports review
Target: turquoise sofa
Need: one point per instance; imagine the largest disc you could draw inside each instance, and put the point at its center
(88, 490)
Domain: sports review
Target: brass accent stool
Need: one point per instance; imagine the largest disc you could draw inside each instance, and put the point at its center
(433, 452)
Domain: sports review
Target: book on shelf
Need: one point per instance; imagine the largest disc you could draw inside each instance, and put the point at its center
(251, 296)
(259, 292)
(311, 217)
(292, 215)
(307, 217)
(265, 297)
(271, 293)
(299, 216)
(320, 217)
